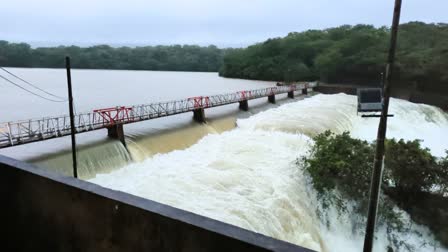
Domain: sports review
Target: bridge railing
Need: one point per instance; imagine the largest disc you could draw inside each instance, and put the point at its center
(149, 111)
(47, 127)
(50, 127)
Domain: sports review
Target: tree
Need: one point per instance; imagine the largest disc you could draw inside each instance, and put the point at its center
(348, 54)
(410, 167)
(339, 161)
(340, 171)
(172, 58)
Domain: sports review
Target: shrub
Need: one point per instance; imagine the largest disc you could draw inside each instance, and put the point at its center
(410, 167)
(339, 161)
(340, 168)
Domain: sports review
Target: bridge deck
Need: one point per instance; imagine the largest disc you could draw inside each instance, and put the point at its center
(27, 131)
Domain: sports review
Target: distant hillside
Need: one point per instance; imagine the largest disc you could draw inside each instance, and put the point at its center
(168, 58)
(348, 54)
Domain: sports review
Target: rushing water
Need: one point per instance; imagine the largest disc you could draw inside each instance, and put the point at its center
(105, 88)
(248, 176)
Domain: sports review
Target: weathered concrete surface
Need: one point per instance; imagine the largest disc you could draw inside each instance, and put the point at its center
(42, 211)
(244, 105)
(410, 93)
(291, 94)
(199, 115)
(117, 132)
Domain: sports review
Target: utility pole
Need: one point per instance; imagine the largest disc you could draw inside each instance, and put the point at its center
(72, 116)
(375, 183)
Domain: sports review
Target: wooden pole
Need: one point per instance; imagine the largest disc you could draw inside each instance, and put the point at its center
(378, 165)
(72, 116)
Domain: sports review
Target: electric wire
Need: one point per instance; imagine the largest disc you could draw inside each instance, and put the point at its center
(29, 91)
(34, 86)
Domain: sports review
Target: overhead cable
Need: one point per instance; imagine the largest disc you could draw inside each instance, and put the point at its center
(29, 91)
(34, 86)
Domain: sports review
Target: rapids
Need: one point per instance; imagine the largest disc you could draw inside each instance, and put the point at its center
(248, 176)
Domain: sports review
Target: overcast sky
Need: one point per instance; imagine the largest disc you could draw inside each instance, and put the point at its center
(220, 22)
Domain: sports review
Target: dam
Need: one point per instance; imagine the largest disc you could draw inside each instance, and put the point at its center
(246, 174)
(249, 175)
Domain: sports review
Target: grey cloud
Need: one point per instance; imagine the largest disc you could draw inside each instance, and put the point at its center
(221, 22)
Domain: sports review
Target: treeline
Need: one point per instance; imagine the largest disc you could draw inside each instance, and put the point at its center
(169, 58)
(346, 54)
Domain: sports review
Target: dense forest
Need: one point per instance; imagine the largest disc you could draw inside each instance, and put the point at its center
(169, 58)
(346, 54)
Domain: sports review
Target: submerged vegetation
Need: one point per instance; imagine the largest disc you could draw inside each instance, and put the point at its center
(347, 54)
(340, 169)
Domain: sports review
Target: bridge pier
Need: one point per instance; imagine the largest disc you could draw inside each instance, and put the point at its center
(271, 99)
(244, 105)
(116, 132)
(291, 94)
(305, 91)
(199, 115)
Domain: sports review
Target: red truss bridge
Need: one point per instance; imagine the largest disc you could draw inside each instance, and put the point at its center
(113, 119)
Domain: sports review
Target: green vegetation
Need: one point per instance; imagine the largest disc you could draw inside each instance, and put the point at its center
(340, 169)
(347, 54)
(169, 58)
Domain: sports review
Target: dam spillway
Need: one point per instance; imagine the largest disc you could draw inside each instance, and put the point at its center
(249, 177)
(277, 195)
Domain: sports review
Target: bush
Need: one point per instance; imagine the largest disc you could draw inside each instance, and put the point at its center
(339, 161)
(442, 176)
(340, 168)
(410, 167)
(345, 163)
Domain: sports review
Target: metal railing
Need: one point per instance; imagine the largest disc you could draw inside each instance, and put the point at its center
(26, 131)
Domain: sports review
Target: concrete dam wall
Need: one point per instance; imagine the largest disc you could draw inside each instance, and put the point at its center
(42, 211)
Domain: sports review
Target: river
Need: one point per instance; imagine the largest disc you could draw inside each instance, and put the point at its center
(245, 175)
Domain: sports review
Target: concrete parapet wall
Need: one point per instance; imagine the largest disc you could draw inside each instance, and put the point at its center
(335, 89)
(42, 211)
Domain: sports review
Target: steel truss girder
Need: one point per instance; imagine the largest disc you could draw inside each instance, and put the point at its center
(20, 132)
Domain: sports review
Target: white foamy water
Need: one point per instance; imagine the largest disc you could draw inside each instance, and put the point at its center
(248, 176)
(338, 113)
